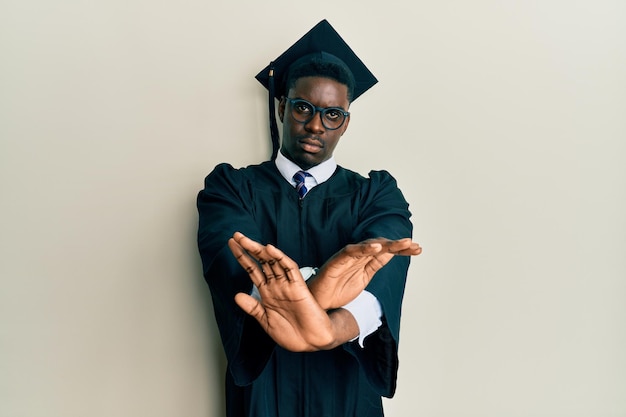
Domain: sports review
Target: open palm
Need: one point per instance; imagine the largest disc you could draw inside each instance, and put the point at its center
(345, 275)
(287, 312)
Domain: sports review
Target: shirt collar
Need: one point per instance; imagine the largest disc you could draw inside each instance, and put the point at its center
(320, 173)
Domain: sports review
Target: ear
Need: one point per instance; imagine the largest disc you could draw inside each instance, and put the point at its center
(281, 108)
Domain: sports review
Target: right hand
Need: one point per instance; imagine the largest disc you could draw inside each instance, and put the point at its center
(287, 311)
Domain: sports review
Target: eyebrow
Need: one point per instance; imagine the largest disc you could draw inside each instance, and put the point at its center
(317, 107)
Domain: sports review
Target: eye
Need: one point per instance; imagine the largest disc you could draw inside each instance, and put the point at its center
(302, 107)
(334, 114)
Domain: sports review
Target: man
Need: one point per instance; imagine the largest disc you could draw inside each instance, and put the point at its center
(327, 346)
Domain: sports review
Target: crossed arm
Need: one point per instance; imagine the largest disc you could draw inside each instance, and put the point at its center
(309, 318)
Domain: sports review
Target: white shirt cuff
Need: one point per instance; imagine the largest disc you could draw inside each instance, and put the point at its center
(367, 312)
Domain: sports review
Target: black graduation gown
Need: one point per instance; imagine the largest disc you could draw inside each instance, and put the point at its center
(264, 380)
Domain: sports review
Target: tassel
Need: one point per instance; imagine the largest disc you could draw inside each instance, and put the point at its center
(272, 103)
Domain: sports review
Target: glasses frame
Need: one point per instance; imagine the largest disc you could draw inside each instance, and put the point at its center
(321, 110)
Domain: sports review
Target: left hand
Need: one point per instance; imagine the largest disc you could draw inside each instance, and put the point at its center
(346, 274)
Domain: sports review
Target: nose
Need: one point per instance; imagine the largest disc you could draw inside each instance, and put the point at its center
(315, 125)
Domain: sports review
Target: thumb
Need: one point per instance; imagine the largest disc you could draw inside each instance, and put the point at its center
(250, 305)
(377, 262)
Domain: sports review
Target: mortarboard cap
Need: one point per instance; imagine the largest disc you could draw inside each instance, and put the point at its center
(322, 42)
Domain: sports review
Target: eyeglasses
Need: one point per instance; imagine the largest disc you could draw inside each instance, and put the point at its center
(303, 112)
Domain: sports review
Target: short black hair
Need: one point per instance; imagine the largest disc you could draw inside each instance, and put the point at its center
(316, 67)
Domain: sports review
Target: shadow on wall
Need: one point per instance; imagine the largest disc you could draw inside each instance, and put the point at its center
(215, 357)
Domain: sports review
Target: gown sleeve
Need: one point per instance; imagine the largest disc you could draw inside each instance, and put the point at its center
(384, 213)
(223, 209)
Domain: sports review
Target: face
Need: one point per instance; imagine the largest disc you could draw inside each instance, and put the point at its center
(309, 144)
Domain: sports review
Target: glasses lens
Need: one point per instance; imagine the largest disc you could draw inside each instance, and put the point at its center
(332, 118)
(303, 111)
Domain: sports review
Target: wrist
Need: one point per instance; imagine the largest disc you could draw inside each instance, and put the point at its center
(310, 276)
(344, 327)
(318, 294)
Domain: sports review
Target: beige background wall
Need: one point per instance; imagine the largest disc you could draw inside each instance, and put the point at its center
(503, 121)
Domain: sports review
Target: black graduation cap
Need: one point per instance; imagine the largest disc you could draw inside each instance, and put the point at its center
(325, 43)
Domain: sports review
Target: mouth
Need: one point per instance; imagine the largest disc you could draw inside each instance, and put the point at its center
(310, 144)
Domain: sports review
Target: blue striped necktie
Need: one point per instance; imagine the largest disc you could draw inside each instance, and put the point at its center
(299, 179)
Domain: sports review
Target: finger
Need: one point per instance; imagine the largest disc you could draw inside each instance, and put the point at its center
(377, 262)
(259, 253)
(365, 248)
(274, 270)
(273, 266)
(414, 250)
(282, 265)
(404, 247)
(374, 265)
(246, 262)
(255, 249)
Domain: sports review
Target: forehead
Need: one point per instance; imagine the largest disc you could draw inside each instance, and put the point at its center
(321, 91)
